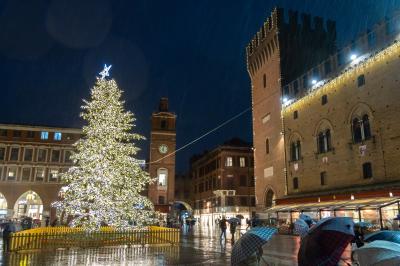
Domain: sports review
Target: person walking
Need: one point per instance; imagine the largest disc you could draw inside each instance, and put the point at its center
(8, 229)
(222, 226)
(233, 231)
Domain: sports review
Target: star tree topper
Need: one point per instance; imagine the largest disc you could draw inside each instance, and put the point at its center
(105, 72)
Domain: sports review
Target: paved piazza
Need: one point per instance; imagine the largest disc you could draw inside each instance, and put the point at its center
(199, 246)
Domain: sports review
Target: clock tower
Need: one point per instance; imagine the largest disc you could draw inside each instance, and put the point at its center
(162, 157)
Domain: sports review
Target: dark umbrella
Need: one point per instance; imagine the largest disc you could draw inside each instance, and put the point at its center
(240, 216)
(234, 220)
(392, 236)
(250, 242)
(326, 241)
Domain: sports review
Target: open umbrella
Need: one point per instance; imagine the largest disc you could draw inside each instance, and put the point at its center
(392, 236)
(250, 242)
(376, 253)
(301, 228)
(326, 241)
(240, 216)
(363, 224)
(234, 220)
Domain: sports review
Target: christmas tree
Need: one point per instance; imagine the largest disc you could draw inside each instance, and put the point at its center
(104, 186)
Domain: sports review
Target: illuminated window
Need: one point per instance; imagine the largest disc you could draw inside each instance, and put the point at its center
(12, 173)
(229, 161)
(39, 174)
(242, 162)
(44, 135)
(53, 175)
(57, 136)
(162, 177)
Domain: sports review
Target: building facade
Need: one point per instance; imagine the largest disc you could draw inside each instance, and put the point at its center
(162, 157)
(339, 124)
(278, 53)
(223, 181)
(31, 160)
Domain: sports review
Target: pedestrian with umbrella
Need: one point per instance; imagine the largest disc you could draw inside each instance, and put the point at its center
(248, 249)
(233, 223)
(392, 236)
(326, 241)
(378, 252)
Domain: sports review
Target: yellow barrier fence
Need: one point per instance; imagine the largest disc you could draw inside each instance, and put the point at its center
(66, 237)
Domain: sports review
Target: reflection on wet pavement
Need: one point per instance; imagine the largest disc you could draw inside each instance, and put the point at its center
(199, 246)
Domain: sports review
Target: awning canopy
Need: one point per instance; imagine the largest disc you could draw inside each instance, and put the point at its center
(371, 203)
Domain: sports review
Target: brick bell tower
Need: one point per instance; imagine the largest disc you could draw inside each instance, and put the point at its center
(162, 157)
(280, 52)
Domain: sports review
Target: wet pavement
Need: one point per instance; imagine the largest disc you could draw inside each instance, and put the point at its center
(199, 246)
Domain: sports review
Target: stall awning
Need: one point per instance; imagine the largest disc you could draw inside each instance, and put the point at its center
(371, 203)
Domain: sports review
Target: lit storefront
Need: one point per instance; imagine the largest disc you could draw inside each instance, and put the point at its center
(379, 212)
(209, 216)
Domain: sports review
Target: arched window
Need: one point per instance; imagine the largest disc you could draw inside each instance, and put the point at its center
(267, 146)
(295, 150)
(162, 177)
(324, 141)
(269, 198)
(295, 183)
(361, 129)
(366, 128)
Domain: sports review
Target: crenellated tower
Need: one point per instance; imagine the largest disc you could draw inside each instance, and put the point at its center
(280, 52)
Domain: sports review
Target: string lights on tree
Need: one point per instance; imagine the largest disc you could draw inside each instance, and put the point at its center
(104, 186)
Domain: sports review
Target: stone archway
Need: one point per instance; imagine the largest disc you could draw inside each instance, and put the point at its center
(269, 198)
(29, 204)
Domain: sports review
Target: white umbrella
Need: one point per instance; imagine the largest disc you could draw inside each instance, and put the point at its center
(378, 253)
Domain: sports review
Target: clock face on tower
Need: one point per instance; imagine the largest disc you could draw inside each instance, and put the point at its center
(163, 148)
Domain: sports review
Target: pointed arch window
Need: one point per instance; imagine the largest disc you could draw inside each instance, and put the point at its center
(295, 150)
(324, 141)
(361, 129)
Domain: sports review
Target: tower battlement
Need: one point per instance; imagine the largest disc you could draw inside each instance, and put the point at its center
(304, 38)
(276, 22)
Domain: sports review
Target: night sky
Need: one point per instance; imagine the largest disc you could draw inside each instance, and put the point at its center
(191, 51)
